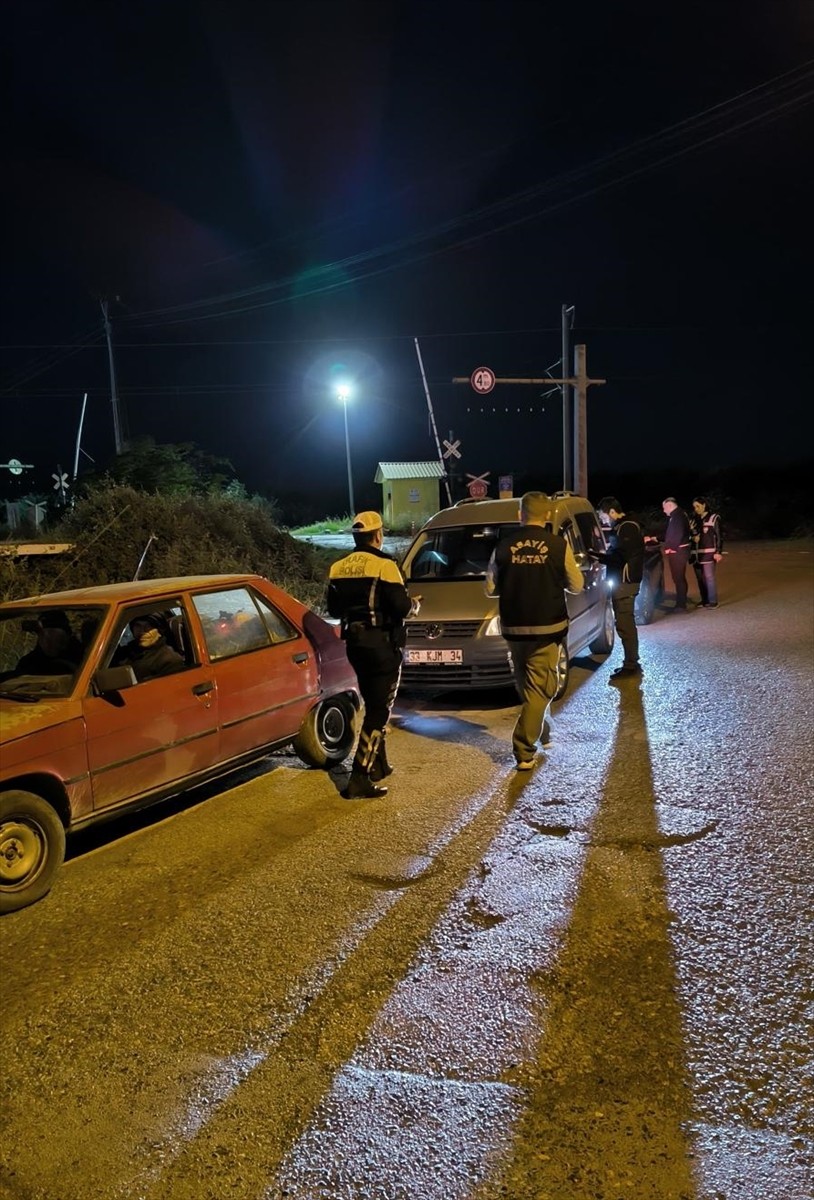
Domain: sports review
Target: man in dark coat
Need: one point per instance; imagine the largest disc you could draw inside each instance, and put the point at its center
(149, 653)
(530, 570)
(677, 541)
(366, 592)
(624, 560)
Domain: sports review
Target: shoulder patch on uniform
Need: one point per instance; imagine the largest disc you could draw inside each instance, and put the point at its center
(389, 571)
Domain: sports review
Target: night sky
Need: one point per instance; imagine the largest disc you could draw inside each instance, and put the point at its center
(285, 195)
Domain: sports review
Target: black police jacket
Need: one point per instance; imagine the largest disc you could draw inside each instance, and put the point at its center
(365, 592)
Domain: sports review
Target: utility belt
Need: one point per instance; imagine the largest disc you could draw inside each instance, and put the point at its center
(364, 634)
(362, 626)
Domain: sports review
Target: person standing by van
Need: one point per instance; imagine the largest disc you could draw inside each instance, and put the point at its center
(624, 560)
(530, 571)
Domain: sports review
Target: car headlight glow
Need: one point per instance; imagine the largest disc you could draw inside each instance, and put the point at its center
(493, 628)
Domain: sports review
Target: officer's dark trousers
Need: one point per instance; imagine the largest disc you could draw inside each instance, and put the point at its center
(377, 664)
(623, 612)
(678, 570)
(534, 665)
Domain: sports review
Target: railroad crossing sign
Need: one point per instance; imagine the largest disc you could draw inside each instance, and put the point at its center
(452, 450)
(16, 467)
(478, 485)
(60, 479)
(482, 380)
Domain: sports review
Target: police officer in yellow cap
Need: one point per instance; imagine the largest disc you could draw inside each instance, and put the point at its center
(366, 592)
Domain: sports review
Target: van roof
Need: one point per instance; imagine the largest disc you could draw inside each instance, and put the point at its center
(504, 512)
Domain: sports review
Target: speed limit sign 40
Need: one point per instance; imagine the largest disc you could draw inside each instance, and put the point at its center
(482, 380)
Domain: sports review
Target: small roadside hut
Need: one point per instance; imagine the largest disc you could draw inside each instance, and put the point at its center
(410, 492)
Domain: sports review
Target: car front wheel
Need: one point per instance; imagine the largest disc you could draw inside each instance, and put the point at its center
(327, 734)
(32, 848)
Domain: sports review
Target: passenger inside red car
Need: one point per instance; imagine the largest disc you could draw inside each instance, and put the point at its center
(149, 653)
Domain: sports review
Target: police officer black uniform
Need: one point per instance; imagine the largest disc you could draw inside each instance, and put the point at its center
(530, 571)
(366, 592)
(624, 559)
(709, 545)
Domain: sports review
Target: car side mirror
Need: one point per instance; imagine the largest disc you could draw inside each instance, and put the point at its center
(114, 679)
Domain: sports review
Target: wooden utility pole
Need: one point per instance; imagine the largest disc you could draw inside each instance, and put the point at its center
(579, 381)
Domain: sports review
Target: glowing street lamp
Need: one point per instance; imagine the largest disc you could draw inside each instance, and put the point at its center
(343, 394)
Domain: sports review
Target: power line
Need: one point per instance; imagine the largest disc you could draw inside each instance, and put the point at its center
(731, 107)
(40, 366)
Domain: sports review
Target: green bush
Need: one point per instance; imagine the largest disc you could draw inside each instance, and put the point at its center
(193, 535)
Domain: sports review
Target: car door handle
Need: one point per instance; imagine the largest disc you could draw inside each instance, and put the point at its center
(201, 689)
(301, 657)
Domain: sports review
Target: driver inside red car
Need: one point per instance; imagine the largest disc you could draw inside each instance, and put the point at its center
(57, 651)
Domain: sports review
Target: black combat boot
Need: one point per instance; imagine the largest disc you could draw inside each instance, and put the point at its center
(361, 786)
(381, 767)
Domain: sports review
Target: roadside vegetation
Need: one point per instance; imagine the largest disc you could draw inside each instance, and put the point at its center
(115, 525)
(326, 525)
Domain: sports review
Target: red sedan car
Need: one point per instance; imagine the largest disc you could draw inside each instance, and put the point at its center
(117, 696)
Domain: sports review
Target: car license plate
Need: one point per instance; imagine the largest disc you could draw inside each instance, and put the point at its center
(435, 656)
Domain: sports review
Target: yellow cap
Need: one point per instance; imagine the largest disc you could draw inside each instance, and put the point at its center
(366, 522)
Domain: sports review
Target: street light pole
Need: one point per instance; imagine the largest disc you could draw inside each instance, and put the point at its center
(343, 396)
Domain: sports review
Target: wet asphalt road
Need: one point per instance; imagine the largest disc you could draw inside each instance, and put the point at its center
(593, 982)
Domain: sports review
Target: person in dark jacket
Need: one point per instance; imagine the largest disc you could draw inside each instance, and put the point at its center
(149, 653)
(677, 542)
(366, 592)
(530, 571)
(624, 559)
(57, 652)
(709, 544)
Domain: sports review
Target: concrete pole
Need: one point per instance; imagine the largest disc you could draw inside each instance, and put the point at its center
(347, 455)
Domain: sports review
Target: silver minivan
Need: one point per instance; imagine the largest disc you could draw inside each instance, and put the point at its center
(455, 640)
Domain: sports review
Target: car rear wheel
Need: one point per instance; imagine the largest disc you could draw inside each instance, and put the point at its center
(604, 643)
(563, 670)
(32, 849)
(327, 734)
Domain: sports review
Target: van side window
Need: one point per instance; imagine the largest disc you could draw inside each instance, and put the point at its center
(572, 535)
(591, 531)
